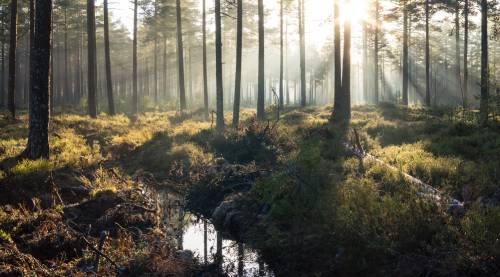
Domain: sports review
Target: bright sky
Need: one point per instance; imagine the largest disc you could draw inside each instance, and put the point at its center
(318, 15)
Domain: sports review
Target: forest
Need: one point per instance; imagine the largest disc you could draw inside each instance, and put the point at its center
(249, 138)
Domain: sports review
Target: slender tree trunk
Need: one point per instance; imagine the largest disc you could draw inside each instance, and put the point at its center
(165, 73)
(337, 58)
(92, 60)
(427, 57)
(156, 52)
(346, 72)
(239, 50)
(180, 58)
(376, 51)
(261, 114)
(38, 138)
(11, 103)
(457, 46)
(365, 62)
(67, 76)
(405, 53)
(218, 67)
(281, 104)
(484, 105)
(31, 39)
(135, 96)
(2, 73)
(205, 70)
(466, 46)
(107, 54)
(303, 96)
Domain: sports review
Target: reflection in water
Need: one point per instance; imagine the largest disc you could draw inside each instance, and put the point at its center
(236, 259)
(200, 237)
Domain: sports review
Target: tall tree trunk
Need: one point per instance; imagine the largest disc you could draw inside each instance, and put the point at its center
(302, 55)
(165, 73)
(156, 51)
(239, 50)
(261, 113)
(405, 53)
(466, 46)
(180, 58)
(67, 76)
(365, 62)
(484, 105)
(11, 102)
(376, 48)
(457, 46)
(38, 138)
(92, 60)
(135, 96)
(2, 74)
(205, 70)
(427, 57)
(107, 54)
(346, 72)
(32, 38)
(281, 104)
(218, 67)
(337, 58)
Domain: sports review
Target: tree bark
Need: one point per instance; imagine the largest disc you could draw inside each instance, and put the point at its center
(261, 114)
(346, 72)
(405, 53)
(205, 70)
(135, 96)
(180, 58)
(281, 104)
(337, 58)
(2, 75)
(92, 60)
(303, 100)
(156, 52)
(38, 138)
(107, 54)
(239, 50)
(427, 57)
(11, 102)
(457, 46)
(484, 105)
(466, 46)
(218, 67)
(376, 50)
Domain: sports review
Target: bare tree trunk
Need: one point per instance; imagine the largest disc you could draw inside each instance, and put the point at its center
(38, 138)
(281, 104)
(466, 46)
(107, 54)
(239, 50)
(261, 114)
(11, 102)
(92, 59)
(156, 52)
(427, 57)
(218, 67)
(405, 53)
(337, 58)
(180, 58)
(484, 106)
(457, 46)
(67, 76)
(303, 100)
(376, 50)
(346, 72)
(205, 73)
(2, 75)
(135, 96)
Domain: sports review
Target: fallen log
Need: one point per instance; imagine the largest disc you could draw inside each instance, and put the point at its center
(455, 206)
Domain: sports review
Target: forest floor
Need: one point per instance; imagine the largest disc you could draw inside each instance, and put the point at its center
(277, 186)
